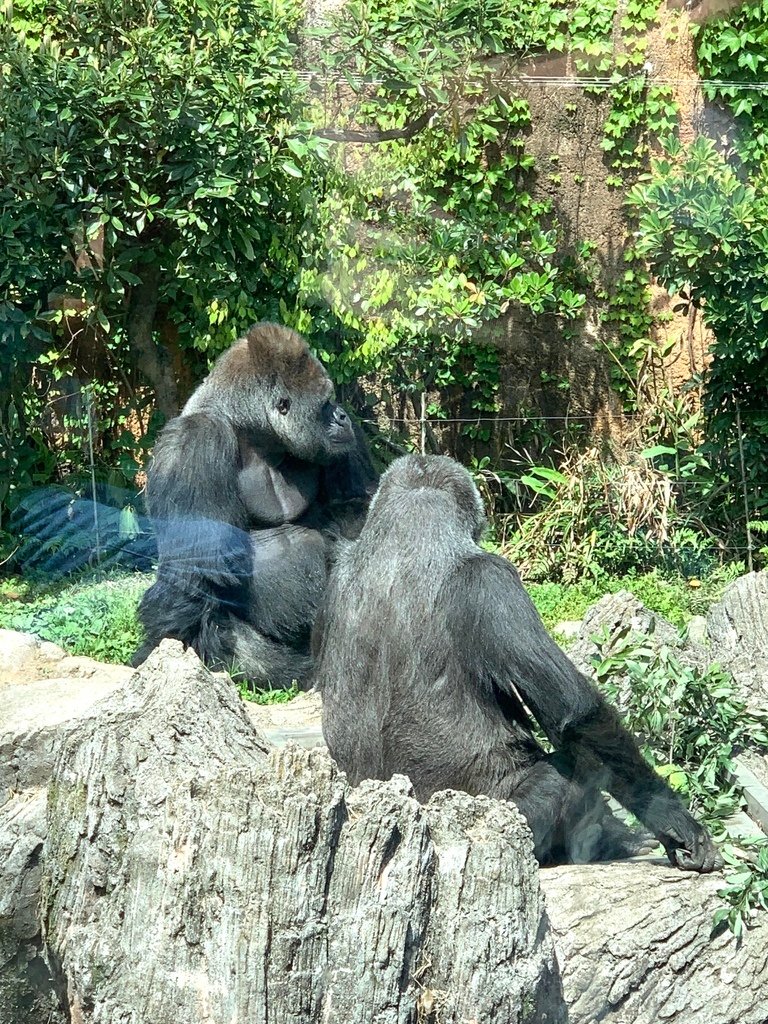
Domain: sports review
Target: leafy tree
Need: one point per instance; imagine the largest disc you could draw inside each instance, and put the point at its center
(705, 228)
(155, 190)
(156, 195)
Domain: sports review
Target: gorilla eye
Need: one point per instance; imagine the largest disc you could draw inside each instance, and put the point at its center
(283, 406)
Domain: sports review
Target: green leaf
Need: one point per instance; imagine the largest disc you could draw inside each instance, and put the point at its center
(656, 450)
(297, 146)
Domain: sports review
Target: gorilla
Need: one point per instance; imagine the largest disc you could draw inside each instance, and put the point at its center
(432, 660)
(250, 490)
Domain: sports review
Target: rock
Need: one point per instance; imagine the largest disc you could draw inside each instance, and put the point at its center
(18, 650)
(697, 631)
(738, 632)
(195, 877)
(620, 612)
(568, 630)
(297, 721)
(34, 716)
(27, 990)
(634, 945)
(25, 658)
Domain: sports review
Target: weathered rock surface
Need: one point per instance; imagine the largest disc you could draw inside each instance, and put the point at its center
(27, 992)
(738, 633)
(33, 717)
(634, 946)
(733, 635)
(189, 876)
(617, 613)
(43, 693)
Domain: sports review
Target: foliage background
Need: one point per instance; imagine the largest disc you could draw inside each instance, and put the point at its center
(167, 178)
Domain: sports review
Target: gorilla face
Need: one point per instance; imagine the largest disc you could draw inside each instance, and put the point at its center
(310, 426)
(277, 396)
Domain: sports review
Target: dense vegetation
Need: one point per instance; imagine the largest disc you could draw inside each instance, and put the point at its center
(165, 182)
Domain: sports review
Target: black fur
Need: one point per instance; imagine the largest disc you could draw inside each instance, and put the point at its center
(430, 658)
(250, 490)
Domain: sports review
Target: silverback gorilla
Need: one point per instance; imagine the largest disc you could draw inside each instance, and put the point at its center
(249, 490)
(429, 654)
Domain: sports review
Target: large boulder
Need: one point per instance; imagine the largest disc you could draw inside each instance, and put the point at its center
(737, 626)
(622, 613)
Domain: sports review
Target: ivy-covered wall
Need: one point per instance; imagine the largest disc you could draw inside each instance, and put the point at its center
(499, 235)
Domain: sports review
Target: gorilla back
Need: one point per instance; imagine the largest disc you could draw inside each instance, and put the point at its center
(429, 655)
(249, 489)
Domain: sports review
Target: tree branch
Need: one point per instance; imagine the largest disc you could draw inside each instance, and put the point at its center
(378, 135)
(152, 359)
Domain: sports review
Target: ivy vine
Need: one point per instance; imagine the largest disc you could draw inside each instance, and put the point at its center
(732, 52)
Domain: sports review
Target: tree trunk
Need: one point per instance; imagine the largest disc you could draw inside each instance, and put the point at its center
(152, 359)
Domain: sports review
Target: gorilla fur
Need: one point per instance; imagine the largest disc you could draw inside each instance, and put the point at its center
(249, 489)
(431, 659)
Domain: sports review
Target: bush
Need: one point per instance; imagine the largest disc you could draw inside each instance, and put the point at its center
(600, 516)
(691, 725)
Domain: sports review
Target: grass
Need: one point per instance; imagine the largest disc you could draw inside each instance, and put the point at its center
(264, 696)
(676, 598)
(95, 615)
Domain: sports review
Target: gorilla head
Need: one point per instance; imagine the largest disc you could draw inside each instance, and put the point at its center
(415, 483)
(272, 389)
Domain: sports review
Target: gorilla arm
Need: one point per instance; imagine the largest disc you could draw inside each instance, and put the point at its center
(511, 645)
(347, 484)
(204, 548)
(194, 470)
